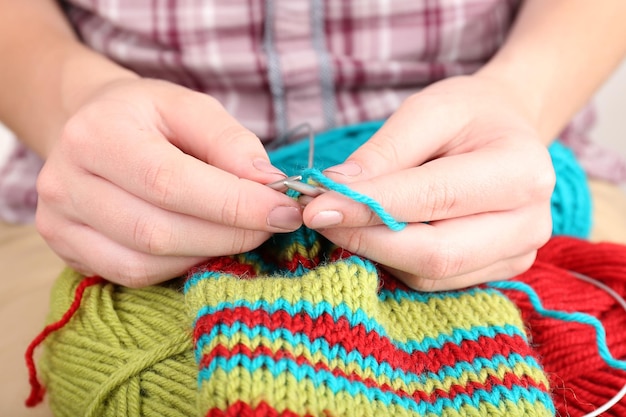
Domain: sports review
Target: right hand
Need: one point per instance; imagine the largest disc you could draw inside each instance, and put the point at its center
(149, 179)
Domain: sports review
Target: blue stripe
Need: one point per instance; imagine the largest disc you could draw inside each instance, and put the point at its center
(378, 369)
(338, 384)
(302, 339)
(359, 318)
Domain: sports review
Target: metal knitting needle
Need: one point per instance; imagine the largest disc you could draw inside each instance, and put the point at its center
(304, 188)
(281, 185)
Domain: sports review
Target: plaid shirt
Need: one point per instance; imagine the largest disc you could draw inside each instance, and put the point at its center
(275, 64)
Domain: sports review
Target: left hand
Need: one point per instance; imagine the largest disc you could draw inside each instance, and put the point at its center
(462, 155)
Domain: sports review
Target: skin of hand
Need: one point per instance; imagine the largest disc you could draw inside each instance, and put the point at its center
(148, 179)
(460, 164)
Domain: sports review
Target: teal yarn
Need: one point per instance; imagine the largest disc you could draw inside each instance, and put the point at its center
(317, 176)
(575, 317)
(570, 203)
(571, 199)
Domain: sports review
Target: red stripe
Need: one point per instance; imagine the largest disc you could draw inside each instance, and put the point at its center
(509, 380)
(241, 409)
(342, 333)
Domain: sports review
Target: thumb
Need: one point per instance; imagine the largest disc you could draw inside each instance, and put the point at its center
(414, 134)
(200, 126)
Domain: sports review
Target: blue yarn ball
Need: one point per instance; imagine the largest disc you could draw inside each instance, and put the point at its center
(571, 199)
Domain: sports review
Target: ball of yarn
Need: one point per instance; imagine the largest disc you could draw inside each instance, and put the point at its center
(127, 353)
(571, 199)
(580, 379)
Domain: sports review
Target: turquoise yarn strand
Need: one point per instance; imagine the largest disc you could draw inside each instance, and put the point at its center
(571, 199)
(575, 317)
(317, 176)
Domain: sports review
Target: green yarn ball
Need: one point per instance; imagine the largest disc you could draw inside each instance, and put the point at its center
(127, 353)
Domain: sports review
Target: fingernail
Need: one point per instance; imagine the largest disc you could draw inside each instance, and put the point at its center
(264, 166)
(349, 169)
(286, 218)
(325, 219)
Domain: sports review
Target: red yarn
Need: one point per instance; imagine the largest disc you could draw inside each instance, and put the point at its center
(580, 380)
(37, 391)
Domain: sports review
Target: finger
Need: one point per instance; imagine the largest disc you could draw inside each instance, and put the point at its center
(493, 178)
(451, 247)
(79, 245)
(157, 172)
(426, 126)
(500, 270)
(200, 126)
(394, 147)
(143, 227)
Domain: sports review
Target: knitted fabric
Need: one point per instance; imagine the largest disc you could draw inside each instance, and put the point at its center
(302, 328)
(571, 199)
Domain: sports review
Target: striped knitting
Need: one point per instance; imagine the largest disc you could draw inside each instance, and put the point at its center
(302, 328)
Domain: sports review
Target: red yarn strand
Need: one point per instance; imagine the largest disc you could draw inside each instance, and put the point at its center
(37, 391)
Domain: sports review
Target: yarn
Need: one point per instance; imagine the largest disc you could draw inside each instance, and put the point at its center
(316, 331)
(298, 327)
(580, 379)
(126, 352)
(37, 392)
(571, 200)
(317, 176)
(273, 303)
(335, 336)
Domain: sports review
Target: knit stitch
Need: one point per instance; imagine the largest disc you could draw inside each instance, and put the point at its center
(301, 327)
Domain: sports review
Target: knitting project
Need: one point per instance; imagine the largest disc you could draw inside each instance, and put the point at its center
(302, 328)
(298, 327)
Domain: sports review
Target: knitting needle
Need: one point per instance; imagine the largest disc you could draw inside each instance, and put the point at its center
(303, 188)
(294, 183)
(281, 185)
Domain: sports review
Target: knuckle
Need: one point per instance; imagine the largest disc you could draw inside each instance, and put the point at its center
(544, 182)
(355, 242)
(49, 187)
(47, 229)
(246, 240)
(542, 229)
(160, 182)
(442, 262)
(384, 146)
(440, 200)
(153, 237)
(421, 284)
(235, 208)
(523, 264)
(132, 272)
(75, 129)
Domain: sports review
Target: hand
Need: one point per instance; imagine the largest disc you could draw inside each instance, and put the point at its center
(462, 156)
(148, 179)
